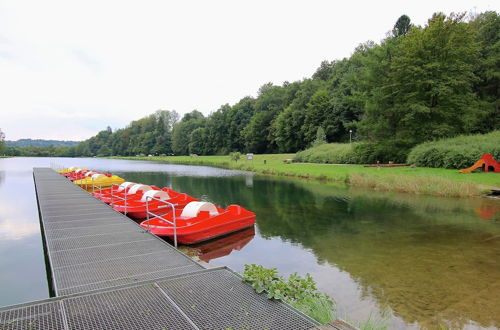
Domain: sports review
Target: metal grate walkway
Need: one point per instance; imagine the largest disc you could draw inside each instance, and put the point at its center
(108, 273)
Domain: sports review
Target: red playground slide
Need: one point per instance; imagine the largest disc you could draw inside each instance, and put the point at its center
(486, 163)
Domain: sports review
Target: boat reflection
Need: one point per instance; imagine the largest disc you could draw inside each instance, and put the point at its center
(221, 247)
(488, 209)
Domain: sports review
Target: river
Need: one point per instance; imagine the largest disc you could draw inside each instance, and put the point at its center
(410, 261)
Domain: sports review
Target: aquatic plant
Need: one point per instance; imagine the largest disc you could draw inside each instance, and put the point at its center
(300, 292)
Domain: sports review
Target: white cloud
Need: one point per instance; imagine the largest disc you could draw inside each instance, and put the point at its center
(69, 69)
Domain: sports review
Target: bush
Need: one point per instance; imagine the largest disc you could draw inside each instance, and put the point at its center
(297, 291)
(384, 151)
(235, 156)
(356, 153)
(331, 153)
(456, 153)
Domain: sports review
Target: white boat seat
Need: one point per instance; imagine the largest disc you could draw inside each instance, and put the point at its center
(158, 194)
(138, 187)
(125, 185)
(192, 209)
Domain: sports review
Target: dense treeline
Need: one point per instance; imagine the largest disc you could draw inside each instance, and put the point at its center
(419, 84)
(40, 143)
(35, 148)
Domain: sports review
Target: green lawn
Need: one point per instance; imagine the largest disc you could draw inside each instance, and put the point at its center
(433, 181)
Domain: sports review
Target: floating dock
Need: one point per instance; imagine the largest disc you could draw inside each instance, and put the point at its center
(108, 273)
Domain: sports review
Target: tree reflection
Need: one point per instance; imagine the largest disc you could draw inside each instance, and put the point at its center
(432, 261)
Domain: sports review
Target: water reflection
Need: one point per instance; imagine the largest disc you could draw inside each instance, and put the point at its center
(429, 261)
(221, 247)
(22, 264)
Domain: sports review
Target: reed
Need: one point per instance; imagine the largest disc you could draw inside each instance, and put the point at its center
(417, 185)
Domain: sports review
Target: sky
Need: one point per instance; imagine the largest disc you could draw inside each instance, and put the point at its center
(69, 69)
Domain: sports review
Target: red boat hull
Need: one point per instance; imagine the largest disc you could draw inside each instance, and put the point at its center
(193, 231)
(137, 209)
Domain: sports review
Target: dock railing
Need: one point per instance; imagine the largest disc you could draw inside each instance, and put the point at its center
(124, 198)
(173, 222)
(94, 185)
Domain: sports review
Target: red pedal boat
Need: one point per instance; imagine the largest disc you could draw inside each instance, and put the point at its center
(201, 221)
(136, 208)
(130, 190)
(121, 189)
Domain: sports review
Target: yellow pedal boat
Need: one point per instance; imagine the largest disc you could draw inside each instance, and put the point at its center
(68, 170)
(98, 181)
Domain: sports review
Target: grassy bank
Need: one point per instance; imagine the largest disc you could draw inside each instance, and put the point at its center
(428, 181)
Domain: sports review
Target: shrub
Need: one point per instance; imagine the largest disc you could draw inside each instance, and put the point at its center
(456, 153)
(235, 156)
(297, 291)
(320, 137)
(383, 151)
(331, 153)
(356, 153)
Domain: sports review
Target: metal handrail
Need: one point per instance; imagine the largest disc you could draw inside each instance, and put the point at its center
(118, 197)
(94, 185)
(174, 223)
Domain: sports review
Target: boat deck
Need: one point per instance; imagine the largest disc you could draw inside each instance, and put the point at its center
(108, 273)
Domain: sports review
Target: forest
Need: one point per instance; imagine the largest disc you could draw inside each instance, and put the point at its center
(419, 84)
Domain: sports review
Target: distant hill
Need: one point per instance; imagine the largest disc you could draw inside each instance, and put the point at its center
(40, 143)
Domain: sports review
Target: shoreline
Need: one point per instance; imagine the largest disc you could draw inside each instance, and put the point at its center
(421, 181)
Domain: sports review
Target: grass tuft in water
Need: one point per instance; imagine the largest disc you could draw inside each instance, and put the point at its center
(318, 308)
(373, 323)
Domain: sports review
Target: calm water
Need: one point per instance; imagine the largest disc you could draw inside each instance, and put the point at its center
(410, 260)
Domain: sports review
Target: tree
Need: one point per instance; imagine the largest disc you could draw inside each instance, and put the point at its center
(198, 141)
(324, 71)
(238, 119)
(255, 134)
(181, 131)
(287, 129)
(320, 137)
(487, 87)
(217, 127)
(427, 93)
(2, 142)
(104, 151)
(402, 26)
(235, 156)
(270, 102)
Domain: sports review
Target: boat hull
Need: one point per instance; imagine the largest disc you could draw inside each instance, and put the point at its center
(137, 209)
(202, 232)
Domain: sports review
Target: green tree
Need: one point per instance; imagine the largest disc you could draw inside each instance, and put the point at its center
(271, 100)
(402, 26)
(217, 126)
(2, 142)
(287, 127)
(238, 119)
(104, 151)
(181, 131)
(320, 137)
(487, 87)
(198, 141)
(428, 91)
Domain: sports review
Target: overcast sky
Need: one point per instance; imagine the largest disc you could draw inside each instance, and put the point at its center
(70, 68)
